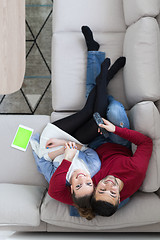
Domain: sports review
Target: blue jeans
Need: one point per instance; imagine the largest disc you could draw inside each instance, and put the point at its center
(94, 60)
(115, 112)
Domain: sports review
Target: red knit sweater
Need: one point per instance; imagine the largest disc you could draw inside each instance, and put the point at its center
(117, 160)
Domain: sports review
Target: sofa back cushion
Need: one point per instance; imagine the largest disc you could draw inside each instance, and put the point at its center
(142, 69)
(134, 10)
(100, 15)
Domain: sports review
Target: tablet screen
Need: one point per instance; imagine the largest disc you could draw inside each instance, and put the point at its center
(22, 138)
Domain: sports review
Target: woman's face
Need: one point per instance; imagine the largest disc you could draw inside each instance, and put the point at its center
(81, 183)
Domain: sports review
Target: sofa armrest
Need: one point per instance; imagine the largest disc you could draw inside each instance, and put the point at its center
(134, 10)
(145, 118)
(20, 204)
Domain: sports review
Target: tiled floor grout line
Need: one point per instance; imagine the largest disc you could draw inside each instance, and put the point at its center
(38, 5)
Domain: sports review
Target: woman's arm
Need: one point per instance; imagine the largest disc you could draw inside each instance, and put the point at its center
(56, 153)
(55, 142)
(57, 186)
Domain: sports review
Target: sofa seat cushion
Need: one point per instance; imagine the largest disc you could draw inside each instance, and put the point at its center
(139, 211)
(20, 204)
(74, 65)
(20, 166)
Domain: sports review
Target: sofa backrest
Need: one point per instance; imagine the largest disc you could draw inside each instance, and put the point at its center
(110, 21)
(134, 10)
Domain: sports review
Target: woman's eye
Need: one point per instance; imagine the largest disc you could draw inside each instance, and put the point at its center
(90, 184)
(102, 190)
(77, 186)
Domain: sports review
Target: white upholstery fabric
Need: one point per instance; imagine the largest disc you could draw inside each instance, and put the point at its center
(17, 166)
(139, 211)
(144, 117)
(40, 228)
(143, 229)
(157, 103)
(58, 115)
(135, 9)
(142, 69)
(69, 71)
(100, 15)
(19, 204)
(158, 19)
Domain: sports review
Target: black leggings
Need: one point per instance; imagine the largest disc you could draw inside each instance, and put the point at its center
(81, 125)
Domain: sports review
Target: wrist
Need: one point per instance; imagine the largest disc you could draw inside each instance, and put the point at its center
(114, 129)
(68, 158)
(64, 142)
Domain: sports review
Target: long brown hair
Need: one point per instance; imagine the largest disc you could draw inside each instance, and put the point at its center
(83, 205)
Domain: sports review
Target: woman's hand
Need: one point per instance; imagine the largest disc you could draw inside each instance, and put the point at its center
(54, 142)
(108, 126)
(70, 151)
(56, 153)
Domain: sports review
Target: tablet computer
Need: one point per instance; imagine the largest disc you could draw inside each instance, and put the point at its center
(22, 137)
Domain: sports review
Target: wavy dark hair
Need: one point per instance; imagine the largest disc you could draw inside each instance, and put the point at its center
(83, 205)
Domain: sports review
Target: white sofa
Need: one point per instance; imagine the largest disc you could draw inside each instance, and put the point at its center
(123, 28)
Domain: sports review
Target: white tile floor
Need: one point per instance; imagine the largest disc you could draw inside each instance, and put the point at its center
(8, 235)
